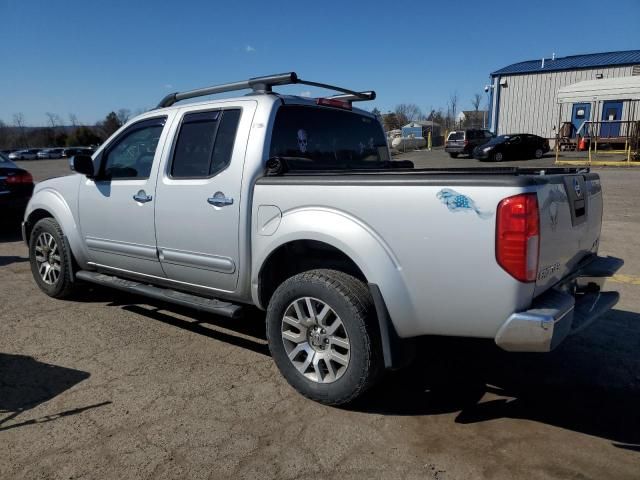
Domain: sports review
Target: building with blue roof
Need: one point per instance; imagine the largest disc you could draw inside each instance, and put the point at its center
(524, 95)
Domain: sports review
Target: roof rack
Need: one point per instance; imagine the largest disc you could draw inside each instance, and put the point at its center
(264, 85)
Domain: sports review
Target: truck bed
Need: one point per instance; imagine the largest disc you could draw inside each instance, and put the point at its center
(437, 227)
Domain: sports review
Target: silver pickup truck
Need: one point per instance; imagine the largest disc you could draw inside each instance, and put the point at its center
(293, 205)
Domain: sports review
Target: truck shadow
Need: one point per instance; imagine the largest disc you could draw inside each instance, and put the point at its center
(248, 333)
(26, 383)
(590, 384)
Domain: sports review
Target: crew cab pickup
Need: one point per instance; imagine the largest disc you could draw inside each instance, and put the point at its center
(293, 205)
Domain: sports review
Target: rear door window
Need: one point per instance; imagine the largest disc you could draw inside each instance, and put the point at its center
(205, 143)
(317, 138)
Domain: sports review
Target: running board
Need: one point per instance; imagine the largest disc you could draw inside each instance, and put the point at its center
(210, 305)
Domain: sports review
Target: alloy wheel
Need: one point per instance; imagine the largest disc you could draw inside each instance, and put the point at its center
(48, 258)
(315, 340)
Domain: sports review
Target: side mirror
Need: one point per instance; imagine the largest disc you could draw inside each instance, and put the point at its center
(82, 164)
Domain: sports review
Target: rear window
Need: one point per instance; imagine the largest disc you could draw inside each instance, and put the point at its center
(456, 136)
(315, 138)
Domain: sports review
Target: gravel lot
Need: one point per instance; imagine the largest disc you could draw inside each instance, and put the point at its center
(114, 386)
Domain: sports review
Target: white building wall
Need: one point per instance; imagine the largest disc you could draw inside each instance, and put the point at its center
(527, 104)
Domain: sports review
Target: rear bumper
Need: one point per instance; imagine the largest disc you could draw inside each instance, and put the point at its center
(455, 149)
(561, 311)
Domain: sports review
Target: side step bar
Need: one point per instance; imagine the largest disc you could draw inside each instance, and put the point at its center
(210, 305)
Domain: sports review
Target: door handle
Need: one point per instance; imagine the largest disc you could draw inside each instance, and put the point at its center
(219, 200)
(142, 197)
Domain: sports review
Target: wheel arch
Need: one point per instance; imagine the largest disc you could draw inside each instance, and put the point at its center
(357, 244)
(297, 256)
(50, 204)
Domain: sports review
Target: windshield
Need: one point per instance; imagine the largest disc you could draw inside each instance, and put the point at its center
(3, 158)
(313, 138)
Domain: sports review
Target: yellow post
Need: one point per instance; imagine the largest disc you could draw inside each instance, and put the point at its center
(429, 140)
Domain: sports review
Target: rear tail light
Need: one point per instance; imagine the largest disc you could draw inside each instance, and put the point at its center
(466, 142)
(20, 178)
(518, 236)
(332, 102)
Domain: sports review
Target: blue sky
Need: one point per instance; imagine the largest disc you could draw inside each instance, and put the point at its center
(88, 58)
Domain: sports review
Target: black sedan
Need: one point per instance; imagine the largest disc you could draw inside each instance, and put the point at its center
(16, 187)
(519, 146)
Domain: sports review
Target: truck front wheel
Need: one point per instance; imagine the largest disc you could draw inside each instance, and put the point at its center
(323, 337)
(50, 259)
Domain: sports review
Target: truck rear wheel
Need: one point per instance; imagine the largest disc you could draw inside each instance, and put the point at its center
(50, 259)
(323, 337)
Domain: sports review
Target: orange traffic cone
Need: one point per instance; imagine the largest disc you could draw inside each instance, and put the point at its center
(582, 144)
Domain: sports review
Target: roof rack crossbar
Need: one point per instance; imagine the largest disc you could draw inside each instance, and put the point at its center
(264, 85)
(361, 97)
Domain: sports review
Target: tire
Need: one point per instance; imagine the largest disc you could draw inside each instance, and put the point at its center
(539, 153)
(308, 361)
(453, 155)
(53, 275)
(498, 157)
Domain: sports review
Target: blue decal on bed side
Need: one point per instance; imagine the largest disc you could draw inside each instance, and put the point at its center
(456, 202)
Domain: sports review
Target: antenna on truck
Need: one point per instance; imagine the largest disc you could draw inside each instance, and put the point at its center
(265, 85)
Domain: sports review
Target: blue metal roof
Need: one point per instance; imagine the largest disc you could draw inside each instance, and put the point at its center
(573, 62)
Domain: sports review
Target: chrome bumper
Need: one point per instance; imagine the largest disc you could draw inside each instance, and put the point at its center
(558, 313)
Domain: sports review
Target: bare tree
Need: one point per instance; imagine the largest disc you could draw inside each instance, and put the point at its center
(408, 112)
(453, 106)
(54, 119)
(123, 115)
(73, 119)
(18, 123)
(476, 100)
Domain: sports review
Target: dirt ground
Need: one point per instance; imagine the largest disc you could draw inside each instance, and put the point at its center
(110, 385)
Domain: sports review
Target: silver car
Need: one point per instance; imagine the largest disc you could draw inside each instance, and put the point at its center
(28, 154)
(50, 153)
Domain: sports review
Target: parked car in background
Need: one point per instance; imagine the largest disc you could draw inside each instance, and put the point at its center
(462, 142)
(28, 154)
(16, 187)
(71, 151)
(519, 146)
(50, 153)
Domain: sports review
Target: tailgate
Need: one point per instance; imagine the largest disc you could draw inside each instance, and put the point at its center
(570, 209)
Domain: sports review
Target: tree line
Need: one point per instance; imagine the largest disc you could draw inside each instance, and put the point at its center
(405, 113)
(56, 133)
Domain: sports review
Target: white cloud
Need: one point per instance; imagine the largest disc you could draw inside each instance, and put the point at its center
(306, 93)
(249, 49)
(168, 85)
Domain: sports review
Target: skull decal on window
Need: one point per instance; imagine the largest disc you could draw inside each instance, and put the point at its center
(302, 140)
